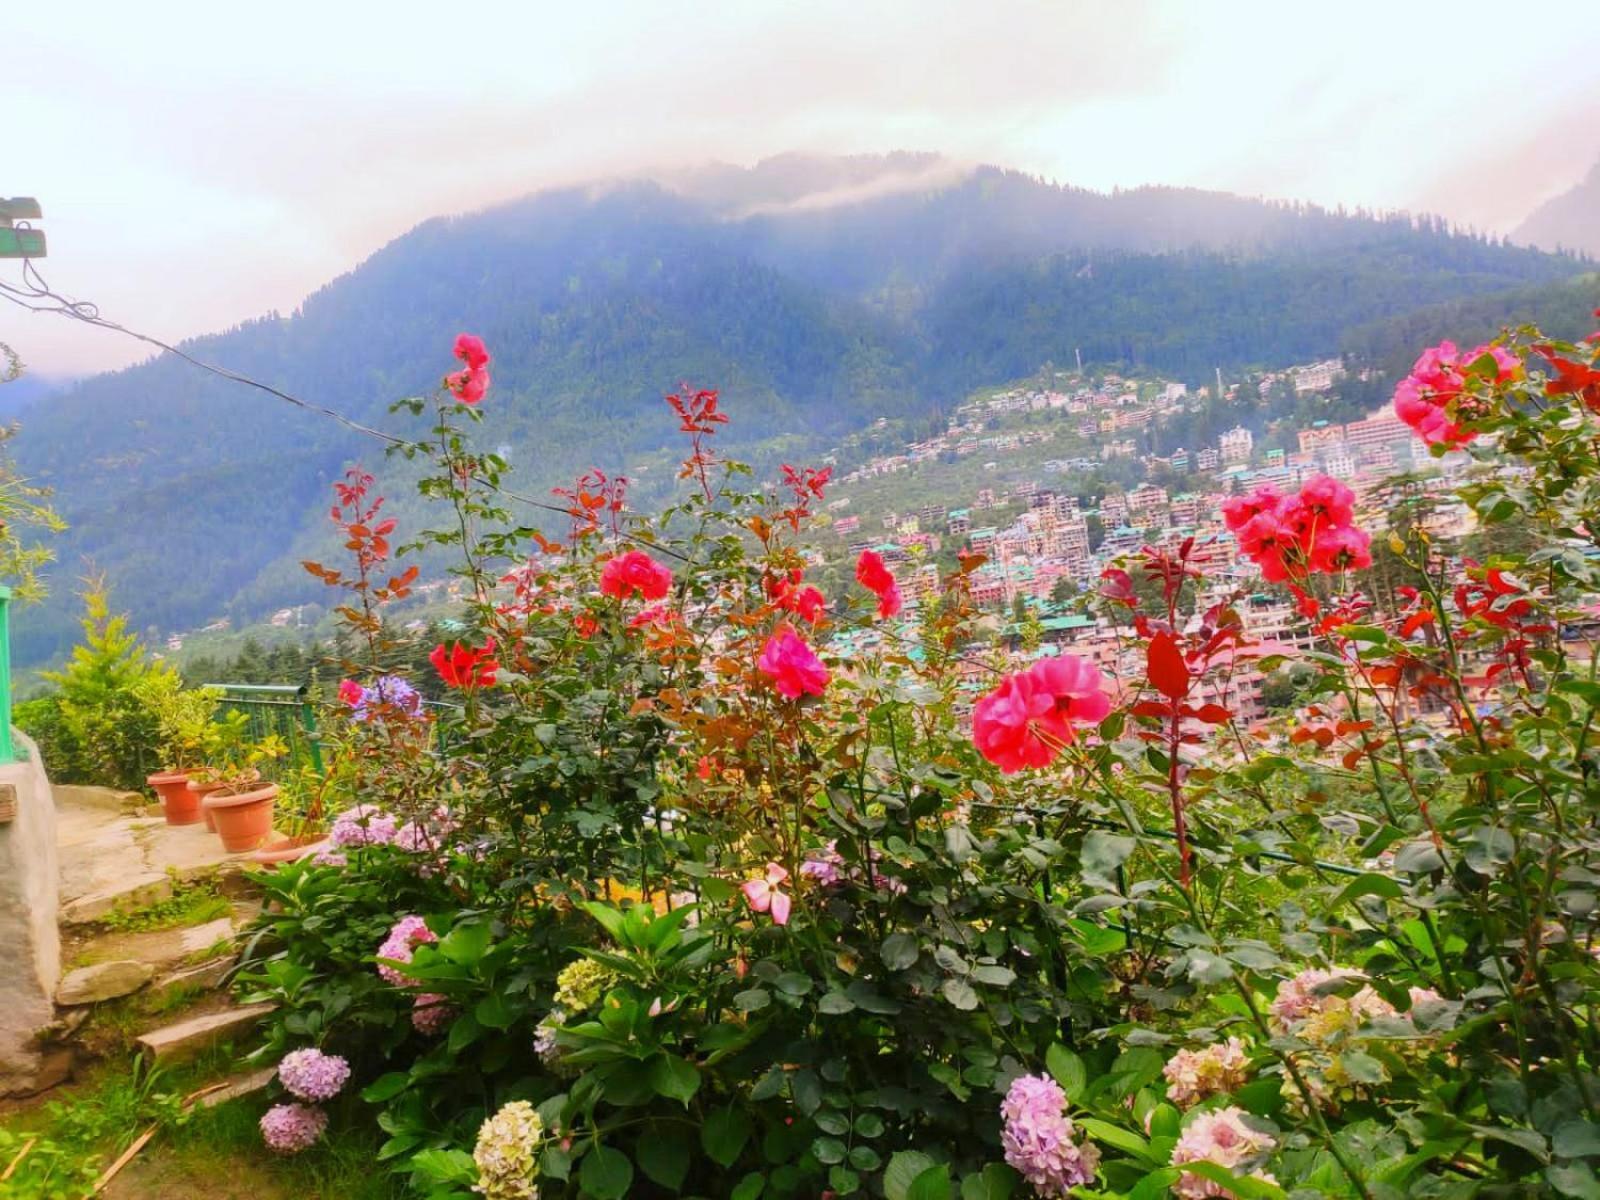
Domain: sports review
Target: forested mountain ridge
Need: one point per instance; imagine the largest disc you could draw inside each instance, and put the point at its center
(1570, 221)
(891, 287)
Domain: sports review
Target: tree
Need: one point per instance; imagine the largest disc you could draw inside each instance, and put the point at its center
(110, 733)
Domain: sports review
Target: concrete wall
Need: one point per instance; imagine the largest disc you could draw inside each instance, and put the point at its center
(30, 941)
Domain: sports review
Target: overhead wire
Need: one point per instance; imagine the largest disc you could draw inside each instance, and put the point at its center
(88, 313)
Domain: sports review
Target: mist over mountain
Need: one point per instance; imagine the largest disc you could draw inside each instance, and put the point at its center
(1570, 221)
(817, 294)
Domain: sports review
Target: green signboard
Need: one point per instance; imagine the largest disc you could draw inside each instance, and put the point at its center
(21, 243)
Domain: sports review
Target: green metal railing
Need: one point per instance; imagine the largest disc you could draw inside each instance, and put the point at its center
(284, 709)
(8, 749)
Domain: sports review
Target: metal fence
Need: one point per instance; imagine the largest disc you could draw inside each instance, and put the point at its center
(284, 709)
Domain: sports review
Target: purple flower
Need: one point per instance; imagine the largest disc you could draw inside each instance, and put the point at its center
(312, 1075)
(363, 825)
(404, 937)
(291, 1128)
(415, 838)
(387, 692)
(826, 865)
(1038, 1137)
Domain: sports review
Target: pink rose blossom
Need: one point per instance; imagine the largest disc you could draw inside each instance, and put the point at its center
(765, 894)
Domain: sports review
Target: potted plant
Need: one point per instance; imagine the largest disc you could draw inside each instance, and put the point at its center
(225, 735)
(300, 797)
(184, 726)
(241, 802)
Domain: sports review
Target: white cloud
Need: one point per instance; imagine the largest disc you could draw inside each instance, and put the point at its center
(201, 163)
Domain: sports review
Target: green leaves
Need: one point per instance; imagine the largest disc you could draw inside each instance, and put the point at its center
(904, 1170)
(606, 1173)
(724, 1135)
(663, 1155)
(899, 951)
(674, 1078)
(1068, 1070)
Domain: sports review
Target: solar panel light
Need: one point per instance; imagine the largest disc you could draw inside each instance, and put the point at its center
(20, 243)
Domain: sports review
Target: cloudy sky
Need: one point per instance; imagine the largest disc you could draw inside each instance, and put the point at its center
(203, 163)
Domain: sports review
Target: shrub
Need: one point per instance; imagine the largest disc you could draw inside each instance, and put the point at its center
(704, 888)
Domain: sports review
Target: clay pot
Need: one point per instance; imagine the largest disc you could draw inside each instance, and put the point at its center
(178, 804)
(243, 819)
(289, 849)
(201, 791)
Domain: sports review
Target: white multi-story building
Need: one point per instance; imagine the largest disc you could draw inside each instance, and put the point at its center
(1235, 447)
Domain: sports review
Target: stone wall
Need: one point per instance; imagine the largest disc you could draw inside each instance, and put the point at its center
(30, 942)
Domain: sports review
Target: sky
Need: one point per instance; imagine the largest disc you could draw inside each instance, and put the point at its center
(202, 163)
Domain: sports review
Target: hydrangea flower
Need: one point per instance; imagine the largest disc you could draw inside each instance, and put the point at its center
(432, 1013)
(507, 1153)
(544, 1037)
(291, 1128)
(312, 1075)
(363, 825)
(387, 692)
(330, 858)
(1193, 1075)
(580, 984)
(1038, 1137)
(1222, 1137)
(826, 865)
(407, 934)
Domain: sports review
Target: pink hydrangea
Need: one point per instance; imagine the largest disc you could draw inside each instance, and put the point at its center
(1193, 1075)
(1298, 998)
(407, 934)
(1222, 1137)
(312, 1075)
(330, 858)
(363, 825)
(825, 866)
(415, 838)
(1038, 1137)
(432, 1013)
(291, 1128)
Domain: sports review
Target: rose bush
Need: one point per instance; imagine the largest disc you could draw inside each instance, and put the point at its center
(710, 890)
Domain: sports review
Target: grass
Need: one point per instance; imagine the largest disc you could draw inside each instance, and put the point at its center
(213, 1153)
(193, 902)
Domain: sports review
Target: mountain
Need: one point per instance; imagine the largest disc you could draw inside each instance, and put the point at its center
(817, 294)
(1570, 221)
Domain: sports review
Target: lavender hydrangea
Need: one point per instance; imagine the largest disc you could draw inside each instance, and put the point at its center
(330, 858)
(291, 1128)
(312, 1075)
(388, 692)
(544, 1037)
(363, 825)
(407, 934)
(1038, 1137)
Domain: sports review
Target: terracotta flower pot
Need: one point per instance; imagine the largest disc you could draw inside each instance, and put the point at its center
(178, 804)
(201, 791)
(289, 849)
(243, 819)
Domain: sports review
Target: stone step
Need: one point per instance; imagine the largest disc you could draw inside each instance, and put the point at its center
(207, 977)
(183, 1041)
(103, 981)
(238, 1087)
(140, 891)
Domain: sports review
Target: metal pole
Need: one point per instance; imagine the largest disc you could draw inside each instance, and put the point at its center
(8, 751)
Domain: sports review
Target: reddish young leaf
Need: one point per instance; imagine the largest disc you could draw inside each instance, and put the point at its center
(1213, 714)
(1165, 667)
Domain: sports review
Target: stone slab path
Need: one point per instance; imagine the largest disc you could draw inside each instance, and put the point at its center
(113, 858)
